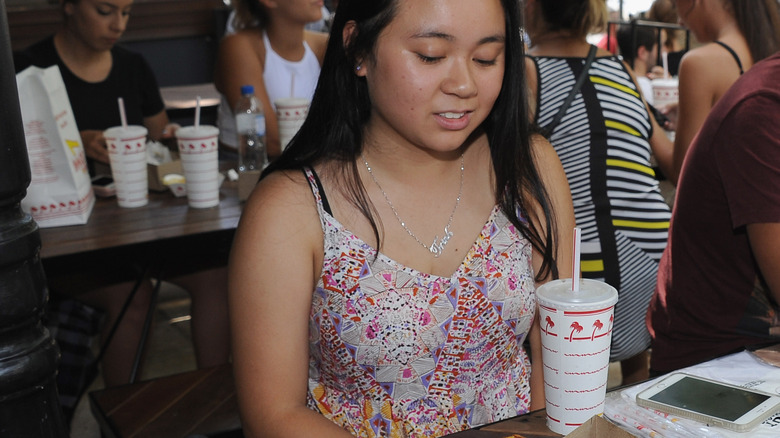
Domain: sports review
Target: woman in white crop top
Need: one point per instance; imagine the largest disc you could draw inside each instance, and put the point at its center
(269, 50)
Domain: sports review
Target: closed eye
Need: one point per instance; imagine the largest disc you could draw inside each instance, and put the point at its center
(429, 59)
(485, 62)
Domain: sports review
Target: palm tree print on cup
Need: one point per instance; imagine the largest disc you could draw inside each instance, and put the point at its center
(548, 323)
(575, 327)
(597, 325)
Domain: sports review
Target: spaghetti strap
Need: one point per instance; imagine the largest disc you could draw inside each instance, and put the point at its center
(733, 54)
(319, 194)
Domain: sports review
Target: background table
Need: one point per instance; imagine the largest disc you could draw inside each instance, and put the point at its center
(159, 236)
(165, 217)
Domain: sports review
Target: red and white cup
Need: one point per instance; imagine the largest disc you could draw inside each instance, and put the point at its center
(290, 114)
(665, 92)
(198, 150)
(127, 155)
(576, 331)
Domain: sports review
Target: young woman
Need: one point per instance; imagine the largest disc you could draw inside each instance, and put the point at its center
(739, 33)
(605, 140)
(96, 72)
(272, 51)
(382, 277)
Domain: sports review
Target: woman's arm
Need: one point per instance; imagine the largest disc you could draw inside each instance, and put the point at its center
(159, 126)
(276, 256)
(695, 103)
(240, 61)
(554, 179)
(557, 186)
(537, 370)
(764, 241)
(660, 145)
(663, 150)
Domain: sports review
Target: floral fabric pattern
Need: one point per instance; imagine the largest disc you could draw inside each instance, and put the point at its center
(394, 352)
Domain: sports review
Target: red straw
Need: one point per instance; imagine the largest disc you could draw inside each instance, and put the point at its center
(575, 268)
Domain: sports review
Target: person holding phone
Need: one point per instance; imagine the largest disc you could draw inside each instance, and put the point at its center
(719, 277)
(96, 72)
(605, 138)
(383, 273)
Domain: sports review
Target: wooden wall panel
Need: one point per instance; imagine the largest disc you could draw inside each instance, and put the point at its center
(150, 20)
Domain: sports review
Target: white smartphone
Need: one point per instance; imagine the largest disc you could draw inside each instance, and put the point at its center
(710, 402)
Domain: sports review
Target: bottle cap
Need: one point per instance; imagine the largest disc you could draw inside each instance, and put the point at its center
(247, 89)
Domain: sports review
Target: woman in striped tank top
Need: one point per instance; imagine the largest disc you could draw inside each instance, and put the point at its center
(605, 140)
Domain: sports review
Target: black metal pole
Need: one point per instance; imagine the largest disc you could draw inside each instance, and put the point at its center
(29, 405)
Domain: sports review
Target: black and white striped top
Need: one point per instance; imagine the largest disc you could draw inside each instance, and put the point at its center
(602, 142)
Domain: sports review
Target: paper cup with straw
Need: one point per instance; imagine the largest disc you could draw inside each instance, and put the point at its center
(127, 155)
(576, 320)
(198, 151)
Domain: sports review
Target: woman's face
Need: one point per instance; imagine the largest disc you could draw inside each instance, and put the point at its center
(435, 73)
(98, 23)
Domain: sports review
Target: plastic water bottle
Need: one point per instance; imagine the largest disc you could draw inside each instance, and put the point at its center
(250, 125)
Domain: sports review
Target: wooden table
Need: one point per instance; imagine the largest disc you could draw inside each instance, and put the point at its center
(164, 230)
(165, 217)
(531, 425)
(201, 402)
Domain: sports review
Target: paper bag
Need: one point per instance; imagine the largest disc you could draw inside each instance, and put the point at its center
(60, 192)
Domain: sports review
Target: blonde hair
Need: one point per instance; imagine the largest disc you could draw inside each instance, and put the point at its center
(249, 14)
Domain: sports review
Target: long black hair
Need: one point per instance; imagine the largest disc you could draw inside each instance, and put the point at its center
(340, 108)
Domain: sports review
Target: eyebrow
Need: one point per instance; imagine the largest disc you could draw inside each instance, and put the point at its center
(445, 36)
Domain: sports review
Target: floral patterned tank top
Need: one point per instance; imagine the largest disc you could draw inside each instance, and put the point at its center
(394, 352)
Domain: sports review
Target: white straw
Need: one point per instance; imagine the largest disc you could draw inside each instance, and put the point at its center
(292, 84)
(197, 112)
(665, 61)
(575, 268)
(122, 115)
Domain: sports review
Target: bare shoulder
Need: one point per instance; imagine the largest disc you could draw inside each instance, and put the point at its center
(318, 41)
(283, 201)
(245, 39)
(544, 153)
(602, 52)
(705, 60)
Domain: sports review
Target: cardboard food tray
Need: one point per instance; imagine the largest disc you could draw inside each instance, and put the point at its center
(156, 173)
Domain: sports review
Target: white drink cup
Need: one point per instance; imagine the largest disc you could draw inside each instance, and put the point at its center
(127, 154)
(290, 114)
(576, 331)
(665, 92)
(198, 151)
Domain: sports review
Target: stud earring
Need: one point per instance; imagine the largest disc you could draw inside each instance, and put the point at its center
(358, 67)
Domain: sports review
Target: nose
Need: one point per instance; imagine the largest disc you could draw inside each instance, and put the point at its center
(119, 23)
(460, 80)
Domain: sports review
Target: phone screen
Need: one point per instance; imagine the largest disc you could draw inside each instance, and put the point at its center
(709, 398)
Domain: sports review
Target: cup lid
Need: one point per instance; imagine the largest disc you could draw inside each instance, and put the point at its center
(592, 294)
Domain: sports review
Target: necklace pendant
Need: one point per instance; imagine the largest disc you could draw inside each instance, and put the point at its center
(437, 247)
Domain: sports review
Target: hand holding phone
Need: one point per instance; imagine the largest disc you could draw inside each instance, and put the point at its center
(710, 402)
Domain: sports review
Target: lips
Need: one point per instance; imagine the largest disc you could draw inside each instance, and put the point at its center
(453, 120)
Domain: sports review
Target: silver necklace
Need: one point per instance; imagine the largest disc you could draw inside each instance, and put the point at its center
(437, 247)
